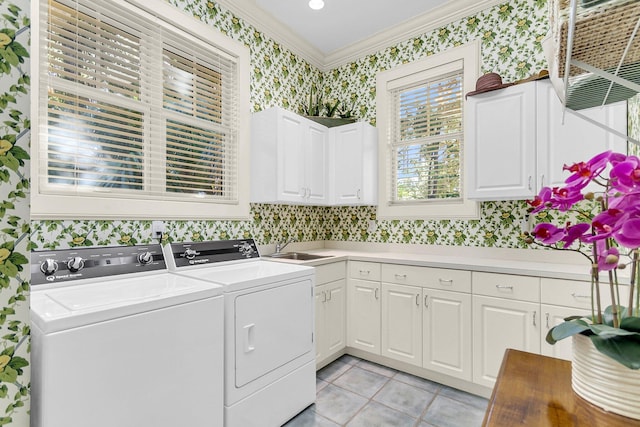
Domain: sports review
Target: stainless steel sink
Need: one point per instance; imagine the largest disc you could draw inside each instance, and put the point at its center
(301, 256)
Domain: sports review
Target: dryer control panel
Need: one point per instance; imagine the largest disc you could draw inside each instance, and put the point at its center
(209, 252)
(66, 265)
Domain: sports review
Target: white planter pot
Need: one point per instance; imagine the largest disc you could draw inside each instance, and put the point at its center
(604, 382)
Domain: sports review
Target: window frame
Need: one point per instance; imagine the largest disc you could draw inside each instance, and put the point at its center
(74, 205)
(404, 75)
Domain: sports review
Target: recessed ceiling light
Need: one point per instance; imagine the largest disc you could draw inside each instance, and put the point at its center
(316, 4)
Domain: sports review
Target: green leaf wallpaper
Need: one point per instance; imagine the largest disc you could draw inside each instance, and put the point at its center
(510, 34)
(14, 212)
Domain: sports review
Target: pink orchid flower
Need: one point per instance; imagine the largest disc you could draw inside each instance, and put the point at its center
(625, 175)
(584, 172)
(548, 233)
(564, 198)
(538, 203)
(574, 232)
(628, 234)
(607, 258)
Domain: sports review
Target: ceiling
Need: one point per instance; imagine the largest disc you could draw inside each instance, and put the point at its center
(343, 22)
(345, 30)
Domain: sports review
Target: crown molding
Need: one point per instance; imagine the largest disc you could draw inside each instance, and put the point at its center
(420, 24)
(264, 22)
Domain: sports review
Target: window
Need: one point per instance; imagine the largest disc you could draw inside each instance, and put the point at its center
(141, 114)
(421, 121)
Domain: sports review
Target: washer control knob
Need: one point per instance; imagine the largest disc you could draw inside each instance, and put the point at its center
(75, 264)
(49, 266)
(246, 250)
(190, 254)
(145, 258)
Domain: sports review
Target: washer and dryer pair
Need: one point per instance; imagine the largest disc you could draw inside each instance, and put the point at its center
(120, 340)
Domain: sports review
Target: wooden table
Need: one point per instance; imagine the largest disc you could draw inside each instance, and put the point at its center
(535, 391)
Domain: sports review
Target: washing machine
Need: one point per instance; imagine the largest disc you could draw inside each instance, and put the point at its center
(118, 341)
(269, 326)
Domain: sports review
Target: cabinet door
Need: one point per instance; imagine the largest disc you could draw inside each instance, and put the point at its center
(564, 138)
(347, 157)
(363, 320)
(402, 323)
(335, 321)
(553, 315)
(291, 167)
(499, 324)
(446, 328)
(500, 144)
(315, 163)
(320, 295)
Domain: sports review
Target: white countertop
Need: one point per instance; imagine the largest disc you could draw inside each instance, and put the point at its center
(539, 263)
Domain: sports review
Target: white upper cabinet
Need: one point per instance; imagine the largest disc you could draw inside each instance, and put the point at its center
(289, 158)
(354, 170)
(295, 160)
(500, 143)
(516, 141)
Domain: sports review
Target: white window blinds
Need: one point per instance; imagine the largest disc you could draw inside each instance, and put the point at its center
(426, 134)
(134, 109)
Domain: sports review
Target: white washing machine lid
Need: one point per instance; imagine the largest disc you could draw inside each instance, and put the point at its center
(56, 309)
(245, 275)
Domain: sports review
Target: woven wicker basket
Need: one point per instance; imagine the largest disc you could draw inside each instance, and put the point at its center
(602, 32)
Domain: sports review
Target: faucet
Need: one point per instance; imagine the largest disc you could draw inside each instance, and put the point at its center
(280, 246)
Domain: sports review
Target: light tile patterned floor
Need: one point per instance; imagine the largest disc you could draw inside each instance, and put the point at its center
(357, 393)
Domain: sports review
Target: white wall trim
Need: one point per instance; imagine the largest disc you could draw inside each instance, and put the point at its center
(266, 23)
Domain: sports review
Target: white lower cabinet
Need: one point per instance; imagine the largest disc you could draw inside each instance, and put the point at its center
(446, 333)
(506, 314)
(363, 320)
(330, 306)
(402, 323)
(553, 315)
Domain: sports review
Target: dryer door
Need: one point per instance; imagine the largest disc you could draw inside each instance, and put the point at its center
(273, 327)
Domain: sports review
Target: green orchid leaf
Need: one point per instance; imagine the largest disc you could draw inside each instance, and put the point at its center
(607, 316)
(631, 324)
(606, 330)
(566, 329)
(623, 349)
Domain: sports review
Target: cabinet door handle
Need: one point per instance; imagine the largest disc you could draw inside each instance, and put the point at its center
(580, 296)
(364, 272)
(504, 287)
(358, 194)
(534, 318)
(547, 317)
(401, 276)
(426, 301)
(375, 293)
(324, 296)
(446, 282)
(329, 294)
(541, 180)
(417, 300)
(530, 180)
